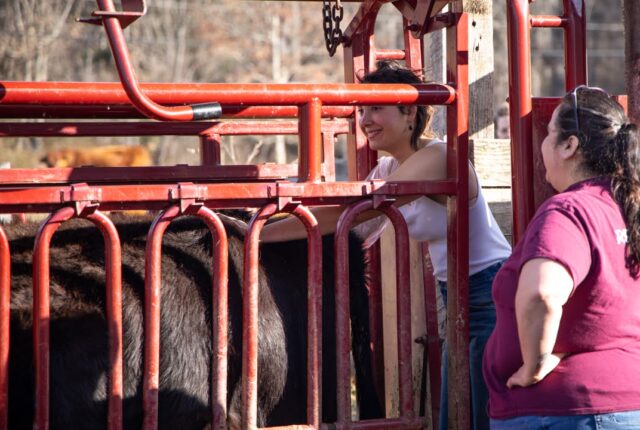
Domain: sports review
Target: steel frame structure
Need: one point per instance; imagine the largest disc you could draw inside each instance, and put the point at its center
(528, 186)
(88, 191)
(529, 115)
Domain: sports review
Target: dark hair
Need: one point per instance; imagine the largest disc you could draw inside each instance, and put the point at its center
(390, 72)
(610, 146)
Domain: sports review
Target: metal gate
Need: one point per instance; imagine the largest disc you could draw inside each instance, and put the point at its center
(317, 112)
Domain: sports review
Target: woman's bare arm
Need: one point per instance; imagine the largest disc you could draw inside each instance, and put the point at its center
(427, 164)
(544, 287)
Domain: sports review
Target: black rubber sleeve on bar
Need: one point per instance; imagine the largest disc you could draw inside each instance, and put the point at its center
(202, 111)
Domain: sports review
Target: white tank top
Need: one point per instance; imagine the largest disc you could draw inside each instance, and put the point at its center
(427, 221)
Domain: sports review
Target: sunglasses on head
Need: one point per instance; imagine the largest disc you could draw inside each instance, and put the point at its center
(574, 95)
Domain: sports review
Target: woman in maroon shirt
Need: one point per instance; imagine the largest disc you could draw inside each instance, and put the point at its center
(565, 353)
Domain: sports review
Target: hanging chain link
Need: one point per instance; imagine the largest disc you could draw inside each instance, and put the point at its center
(331, 17)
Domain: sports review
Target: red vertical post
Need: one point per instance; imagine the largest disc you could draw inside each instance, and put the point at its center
(250, 317)
(403, 311)
(519, 49)
(413, 48)
(220, 316)
(314, 315)
(310, 155)
(210, 149)
(359, 58)
(458, 222)
(113, 272)
(41, 313)
(5, 297)
(575, 44)
(343, 337)
(152, 278)
(328, 155)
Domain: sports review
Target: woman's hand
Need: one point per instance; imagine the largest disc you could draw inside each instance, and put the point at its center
(544, 287)
(525, 377)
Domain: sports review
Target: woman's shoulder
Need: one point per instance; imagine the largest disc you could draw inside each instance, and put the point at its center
(568, 204)
(581, 196)
(386, 165)
(432, 144)
(432, 148)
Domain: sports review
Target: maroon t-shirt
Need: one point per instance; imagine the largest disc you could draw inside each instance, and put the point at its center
(582, 229)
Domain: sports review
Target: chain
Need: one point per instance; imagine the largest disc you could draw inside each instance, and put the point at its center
(331, 17)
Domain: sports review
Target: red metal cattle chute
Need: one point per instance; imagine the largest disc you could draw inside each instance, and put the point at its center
(530, 115)
(267, 187)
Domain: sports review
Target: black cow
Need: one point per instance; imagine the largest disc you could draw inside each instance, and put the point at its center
(78, 328)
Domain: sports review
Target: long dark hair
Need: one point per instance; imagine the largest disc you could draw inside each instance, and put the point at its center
(391, 72)
(610, 146)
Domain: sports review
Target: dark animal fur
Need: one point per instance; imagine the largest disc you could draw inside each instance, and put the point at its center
(78, 328)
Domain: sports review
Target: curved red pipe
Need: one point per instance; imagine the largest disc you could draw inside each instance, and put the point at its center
(127, 74)
(41, 313)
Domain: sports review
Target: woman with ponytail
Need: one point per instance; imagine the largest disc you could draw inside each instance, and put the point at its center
(565, 353)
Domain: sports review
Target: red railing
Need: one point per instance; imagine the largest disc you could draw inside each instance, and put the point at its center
(523, 154)
(196, 188)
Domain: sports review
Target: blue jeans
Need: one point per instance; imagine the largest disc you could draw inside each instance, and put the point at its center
(482, 320)
(629, 420)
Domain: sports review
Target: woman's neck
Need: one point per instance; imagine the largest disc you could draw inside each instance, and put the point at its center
(576, 175)
(403, 153)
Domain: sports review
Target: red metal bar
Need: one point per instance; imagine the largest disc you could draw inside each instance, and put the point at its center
(146, 174)
(5, 297)
(403, 286)
(574, 24)
(210, 149)
(458, 223)
(223, 195)
(314, 316)
(403, 305)
(414, 52)
(152, 279)
(142, 102)
(575, 44)
(250, 317)
(343, 337)
(115, 111)
(390, 54)
(548, 21)
(359, 58)
(519, 49)
(433, 337)
(41, 313)
(366, 14)
(69, 129)
(421, 15)
(107, 93)
(113, 271)
(328, 155)
(220, 316)
(310, 148)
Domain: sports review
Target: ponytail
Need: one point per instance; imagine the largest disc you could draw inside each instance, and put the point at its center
(626, 191)
(610, 146)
